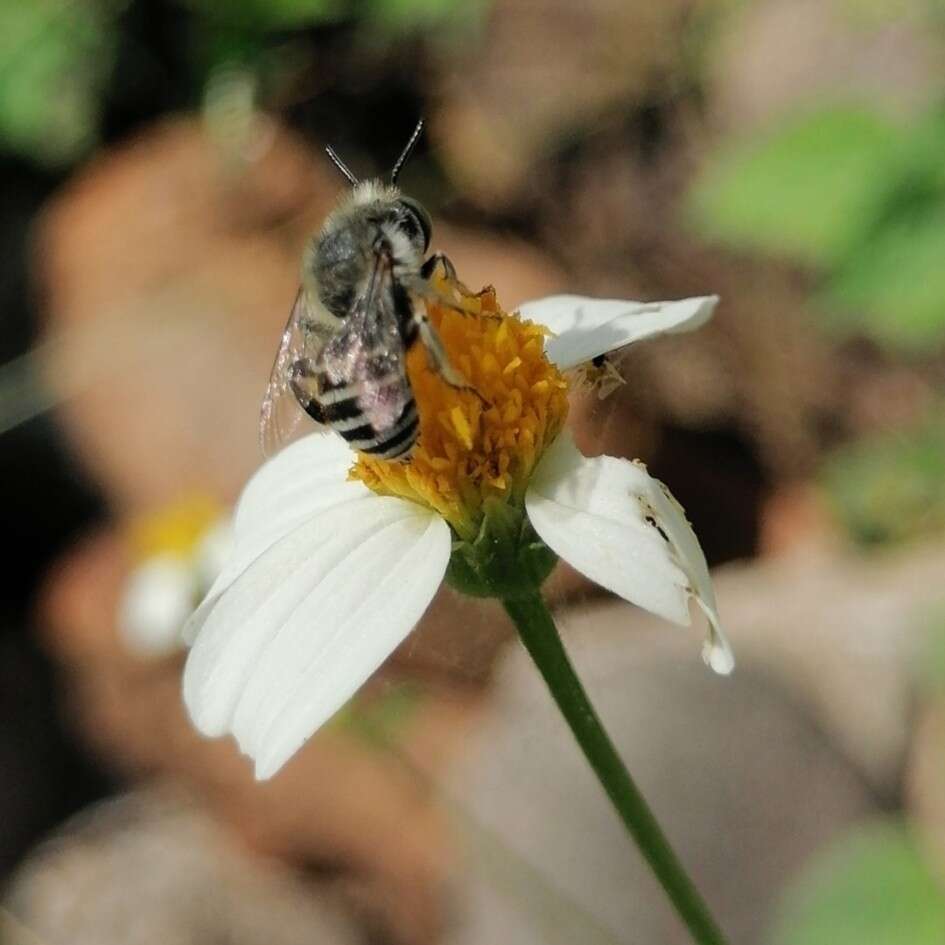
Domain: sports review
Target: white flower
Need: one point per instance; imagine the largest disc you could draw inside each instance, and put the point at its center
(161, 592)
(327, 577)
(157, 600)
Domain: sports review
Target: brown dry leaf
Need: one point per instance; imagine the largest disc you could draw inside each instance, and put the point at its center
(169, 279)
(739, 775)
(151, 868)
(540, 71)
(777, 55)
(342, 800)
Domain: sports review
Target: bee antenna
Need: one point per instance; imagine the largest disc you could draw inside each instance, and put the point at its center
(330, 151)
(407, 151)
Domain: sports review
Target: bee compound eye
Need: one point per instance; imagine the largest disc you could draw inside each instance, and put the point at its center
(416, 221)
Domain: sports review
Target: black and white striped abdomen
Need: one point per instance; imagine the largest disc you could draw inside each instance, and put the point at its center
(339, 409)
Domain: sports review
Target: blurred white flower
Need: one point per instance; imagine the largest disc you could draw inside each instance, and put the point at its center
(333, 565)
(181, 551)
(157, 600)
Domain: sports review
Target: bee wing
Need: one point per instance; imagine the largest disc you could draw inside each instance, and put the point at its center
(385, 390)
(281, 416)
(369, 354)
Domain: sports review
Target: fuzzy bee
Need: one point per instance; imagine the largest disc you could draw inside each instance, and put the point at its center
(360, 307)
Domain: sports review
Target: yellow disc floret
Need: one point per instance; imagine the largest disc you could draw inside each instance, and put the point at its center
(482, 442)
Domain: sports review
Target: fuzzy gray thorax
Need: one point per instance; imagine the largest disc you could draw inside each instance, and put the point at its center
(372, 217)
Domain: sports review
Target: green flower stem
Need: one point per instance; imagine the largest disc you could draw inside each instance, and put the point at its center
(540, 636)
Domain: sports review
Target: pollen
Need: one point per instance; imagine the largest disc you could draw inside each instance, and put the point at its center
(478, 442)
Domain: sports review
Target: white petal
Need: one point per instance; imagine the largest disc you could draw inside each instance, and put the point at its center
(619, 526)
(295, 635)
(584, 327)
(158, 599)
(305, 478)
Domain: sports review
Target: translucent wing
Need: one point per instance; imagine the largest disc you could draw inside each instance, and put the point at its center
(281, 416)
(368, 352)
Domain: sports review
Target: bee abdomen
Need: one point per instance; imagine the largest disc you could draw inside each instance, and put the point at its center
(347, 419)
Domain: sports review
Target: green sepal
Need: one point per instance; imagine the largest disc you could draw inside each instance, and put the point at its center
(506, 559)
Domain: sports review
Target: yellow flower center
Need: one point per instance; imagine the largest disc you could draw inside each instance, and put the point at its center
(176, 528)
(480, 443)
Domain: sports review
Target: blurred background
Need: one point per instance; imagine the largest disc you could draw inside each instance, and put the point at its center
(162, 165)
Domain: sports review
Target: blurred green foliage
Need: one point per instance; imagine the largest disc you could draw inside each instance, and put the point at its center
(806, 190)
(891, 487)
(872, 888)
(398, 16)
(55, 57)
(930, 659)
(853, 194)
(266, 15)
(380, 719)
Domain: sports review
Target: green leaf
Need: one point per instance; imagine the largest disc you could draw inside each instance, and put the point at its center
(381, 720)
(806, 190)
(268, 14)
(873, 888)
(891, 488)
(929, 661)
(55, 58)
(395, 16)
(893, 288)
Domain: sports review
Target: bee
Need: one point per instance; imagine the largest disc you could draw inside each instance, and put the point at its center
(359, 309)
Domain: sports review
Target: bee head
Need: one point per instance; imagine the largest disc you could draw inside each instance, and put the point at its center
(414, 222)
(405, 214)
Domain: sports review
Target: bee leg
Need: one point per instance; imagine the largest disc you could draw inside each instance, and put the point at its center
(424, 287)
(429, 267)
(304, 383)
(437, 357)
(436, 353)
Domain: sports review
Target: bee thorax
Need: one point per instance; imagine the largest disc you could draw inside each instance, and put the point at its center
(372, 220)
